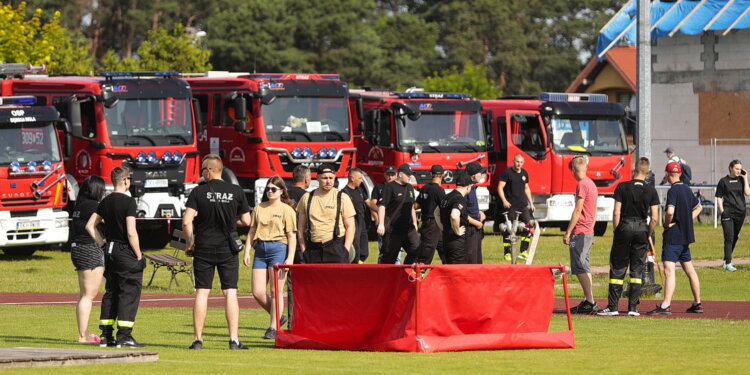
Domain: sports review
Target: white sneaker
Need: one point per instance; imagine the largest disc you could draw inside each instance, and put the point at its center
(729, 267)
(634, 313)
(608, 312)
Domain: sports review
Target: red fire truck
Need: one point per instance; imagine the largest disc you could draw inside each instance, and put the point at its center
(143, 120)
(32, 178)
(549, 131)
(266, 124)
(421, 129)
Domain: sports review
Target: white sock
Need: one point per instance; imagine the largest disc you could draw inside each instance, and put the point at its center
(664, 306)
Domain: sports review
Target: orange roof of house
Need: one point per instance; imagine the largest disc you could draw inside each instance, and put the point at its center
(622, 58)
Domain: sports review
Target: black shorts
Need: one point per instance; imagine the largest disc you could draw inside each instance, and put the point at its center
(221, 259)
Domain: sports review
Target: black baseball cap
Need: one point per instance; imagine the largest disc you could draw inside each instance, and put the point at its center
(474, 168)
(406, 169)
(463, 179)
(326, 168)
(437, 169)
(390, 170)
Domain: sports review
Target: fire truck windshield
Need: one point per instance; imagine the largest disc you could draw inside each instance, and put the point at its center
(306, 119)
(442, 132)
(599, 135)
(150, 122)
(25, 142)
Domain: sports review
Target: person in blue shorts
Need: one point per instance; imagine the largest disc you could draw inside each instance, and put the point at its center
(682, 208)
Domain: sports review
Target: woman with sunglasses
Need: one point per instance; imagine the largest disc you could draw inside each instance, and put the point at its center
(273, 226)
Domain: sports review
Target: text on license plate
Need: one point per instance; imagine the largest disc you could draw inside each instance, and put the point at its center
(160, 183)
(27, 225)
(602, 217)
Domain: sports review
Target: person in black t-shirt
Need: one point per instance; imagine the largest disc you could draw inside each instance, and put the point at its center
(397, 218)
(635, 203)
(515, 196)
(730, 199)
(372, 203)
(215, 207)
(123, 262)
(87, 256)
(454, 217)
(359, 196)
(430, 238)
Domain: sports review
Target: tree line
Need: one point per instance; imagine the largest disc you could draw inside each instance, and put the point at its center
(484, 47)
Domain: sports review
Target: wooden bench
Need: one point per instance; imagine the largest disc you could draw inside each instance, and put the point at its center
(172, 263)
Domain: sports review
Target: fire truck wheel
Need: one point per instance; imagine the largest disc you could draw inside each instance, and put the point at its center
(20, 252)
(600, 228)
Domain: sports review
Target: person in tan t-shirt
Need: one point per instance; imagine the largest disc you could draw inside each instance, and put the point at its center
(319, 238)
(272, 227)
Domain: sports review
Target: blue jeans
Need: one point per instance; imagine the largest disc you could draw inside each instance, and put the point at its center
(268, 254)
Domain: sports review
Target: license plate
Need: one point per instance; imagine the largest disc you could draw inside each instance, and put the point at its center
(27, 225)
(167, 213)
(160, 183)
(602, 217)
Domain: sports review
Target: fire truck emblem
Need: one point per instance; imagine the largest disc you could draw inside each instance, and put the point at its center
(237, 155)
(376, 153)
(83, 162)
(448, 177)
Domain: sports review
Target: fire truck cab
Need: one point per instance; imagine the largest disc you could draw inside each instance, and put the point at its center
(32, 178)
(421, 129)
(267, 124)
(549, 131)
(143, 120)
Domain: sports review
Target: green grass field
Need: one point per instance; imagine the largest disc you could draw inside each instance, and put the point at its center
(604, 345)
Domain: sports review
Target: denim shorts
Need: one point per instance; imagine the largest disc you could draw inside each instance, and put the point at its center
(268, 254)
(675, 253)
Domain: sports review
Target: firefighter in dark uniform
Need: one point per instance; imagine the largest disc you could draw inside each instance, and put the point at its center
(123, 262)
(475, 230)
(372, 203)
(212, 213)
(430, 238)
(515, 196)
(397, 218)
(454, 219)
(635, 202)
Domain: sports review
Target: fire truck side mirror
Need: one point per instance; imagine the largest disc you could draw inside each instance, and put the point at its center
(74, 116)
(240, 108)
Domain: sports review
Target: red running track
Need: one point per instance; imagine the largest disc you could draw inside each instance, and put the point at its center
(730, 310)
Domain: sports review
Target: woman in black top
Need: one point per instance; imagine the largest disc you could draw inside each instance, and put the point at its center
(730, 199)
(87, 257)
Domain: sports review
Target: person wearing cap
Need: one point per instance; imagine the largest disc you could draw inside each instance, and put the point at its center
(430, 238)
(358, 195)
(635, 202)
(372, 203)
(475, 230)
(515, 196)
(325, 222)
(454, 219)
(682, 208)
(580, 234)
(685, 175)
(397, 218)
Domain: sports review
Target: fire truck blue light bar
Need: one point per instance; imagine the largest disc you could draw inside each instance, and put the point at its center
(431, 95)
(571, 97)
(18, 100)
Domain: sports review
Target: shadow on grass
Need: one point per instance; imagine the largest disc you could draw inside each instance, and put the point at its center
(6, 257)
(26, 340)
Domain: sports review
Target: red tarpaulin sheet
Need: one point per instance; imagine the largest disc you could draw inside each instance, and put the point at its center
(455, 307)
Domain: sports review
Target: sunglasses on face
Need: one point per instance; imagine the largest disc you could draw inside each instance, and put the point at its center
(272, 189)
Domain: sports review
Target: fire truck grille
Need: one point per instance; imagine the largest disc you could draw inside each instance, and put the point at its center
(19, 202)
(16, 235)
(604, 183)
(289, 165)
(423, 176)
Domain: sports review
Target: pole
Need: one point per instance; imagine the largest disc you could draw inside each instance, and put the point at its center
(643, 85)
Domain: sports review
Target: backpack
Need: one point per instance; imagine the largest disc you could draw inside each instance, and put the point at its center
(687, 173)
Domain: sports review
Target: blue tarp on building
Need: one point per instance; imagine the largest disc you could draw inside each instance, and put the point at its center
(696, 15)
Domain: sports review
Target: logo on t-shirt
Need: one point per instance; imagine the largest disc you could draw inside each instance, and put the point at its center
(219, 197)
(460, 206)
(523, 178)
